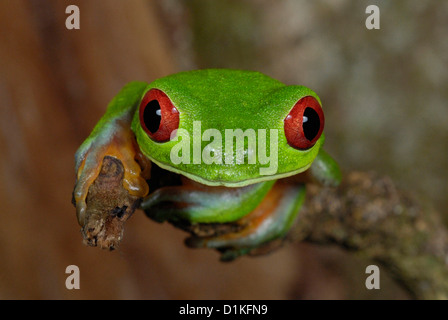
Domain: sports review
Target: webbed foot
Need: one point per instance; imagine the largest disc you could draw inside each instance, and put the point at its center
(114, 139)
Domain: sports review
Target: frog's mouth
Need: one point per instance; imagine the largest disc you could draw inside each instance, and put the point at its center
(168, 168)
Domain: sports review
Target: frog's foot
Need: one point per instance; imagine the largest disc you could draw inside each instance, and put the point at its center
(118, 141)
(271, 220)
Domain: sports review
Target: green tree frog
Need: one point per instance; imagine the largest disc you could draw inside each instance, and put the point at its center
(225, 146)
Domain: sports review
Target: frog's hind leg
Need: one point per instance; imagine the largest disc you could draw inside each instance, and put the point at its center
(270, 220)
(196, 203)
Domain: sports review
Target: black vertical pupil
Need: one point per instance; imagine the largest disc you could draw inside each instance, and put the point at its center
(152, 116)
(311, 123)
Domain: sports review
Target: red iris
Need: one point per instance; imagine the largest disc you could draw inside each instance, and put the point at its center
(304, 123)
(158, 116)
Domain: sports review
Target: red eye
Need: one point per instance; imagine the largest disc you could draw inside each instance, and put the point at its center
(158, 116)
(304, 123)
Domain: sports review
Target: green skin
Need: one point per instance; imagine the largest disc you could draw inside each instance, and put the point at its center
(220, 99)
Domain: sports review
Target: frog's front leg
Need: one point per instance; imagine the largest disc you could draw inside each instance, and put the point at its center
(265, 212)
(112, 136)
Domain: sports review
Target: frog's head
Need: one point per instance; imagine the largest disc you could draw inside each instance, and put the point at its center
(229, 127)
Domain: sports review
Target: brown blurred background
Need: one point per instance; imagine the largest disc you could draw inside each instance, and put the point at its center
(384, 93)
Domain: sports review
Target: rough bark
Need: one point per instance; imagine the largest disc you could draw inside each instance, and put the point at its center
(368, 214)
(109, 205)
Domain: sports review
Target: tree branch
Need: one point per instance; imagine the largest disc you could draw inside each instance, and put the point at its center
(368, 214)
